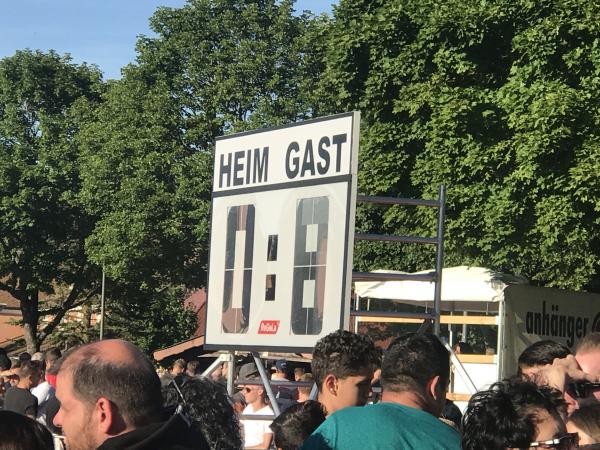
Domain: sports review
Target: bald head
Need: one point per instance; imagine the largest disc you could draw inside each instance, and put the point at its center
(113, 351)
(118, 371)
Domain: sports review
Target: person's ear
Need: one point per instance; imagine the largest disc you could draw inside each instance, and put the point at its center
(435, 388)
(330, 384)
(104, 413)
(109, 419)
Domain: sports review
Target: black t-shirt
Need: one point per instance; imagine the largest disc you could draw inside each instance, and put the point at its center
(52, 407)
(21, 401)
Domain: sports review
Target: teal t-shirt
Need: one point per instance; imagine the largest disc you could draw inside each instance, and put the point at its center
(383, 426)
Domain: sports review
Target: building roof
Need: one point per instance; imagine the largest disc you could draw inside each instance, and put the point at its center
(8, 300)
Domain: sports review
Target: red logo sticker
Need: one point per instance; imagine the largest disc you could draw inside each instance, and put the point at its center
(268, 327)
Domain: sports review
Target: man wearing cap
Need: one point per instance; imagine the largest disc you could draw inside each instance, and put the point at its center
(286, 396)
(257, 433)
(281, 370)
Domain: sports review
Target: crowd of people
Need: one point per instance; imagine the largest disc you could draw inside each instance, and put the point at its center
(109, 395)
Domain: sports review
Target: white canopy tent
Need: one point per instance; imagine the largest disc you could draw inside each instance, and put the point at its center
(464, 288)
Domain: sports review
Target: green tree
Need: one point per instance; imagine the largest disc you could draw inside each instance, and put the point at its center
(43, 100)
(217, 66)
(497, 100)
(151, 320)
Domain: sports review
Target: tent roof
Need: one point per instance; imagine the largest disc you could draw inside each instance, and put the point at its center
(459, 284)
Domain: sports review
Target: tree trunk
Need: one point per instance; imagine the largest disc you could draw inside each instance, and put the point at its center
(86, 311)
(29, 309)
(31, 338)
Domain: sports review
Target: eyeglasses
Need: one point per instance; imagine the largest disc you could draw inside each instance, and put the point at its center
(582, 389)
(569, 441)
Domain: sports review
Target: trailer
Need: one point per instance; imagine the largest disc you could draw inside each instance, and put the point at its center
(520, 314)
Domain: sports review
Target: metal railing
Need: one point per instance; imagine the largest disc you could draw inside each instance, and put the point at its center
(434, 276)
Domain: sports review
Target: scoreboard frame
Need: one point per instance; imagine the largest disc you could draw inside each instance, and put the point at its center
(282, 235)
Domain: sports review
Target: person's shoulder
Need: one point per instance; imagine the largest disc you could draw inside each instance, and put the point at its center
(350, 411)
(323, 438)
(419, 420)
(265, 410)
(18, 392)
(416, 414)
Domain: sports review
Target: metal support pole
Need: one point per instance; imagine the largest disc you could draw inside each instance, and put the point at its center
(439, 260)
(462, 372)
(266, 382)
(102, 304)
(210, 369)
(230, 373)
(314, 392)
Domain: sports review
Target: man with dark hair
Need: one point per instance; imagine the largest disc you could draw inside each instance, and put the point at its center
(515, 414)
(19, 398)
(540, 354)
(295, 424)
(414, 379)
(284, 394)
(280, 370)
(110, 398)
(343, 365)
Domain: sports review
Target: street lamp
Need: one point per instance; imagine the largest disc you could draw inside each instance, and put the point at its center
(102, 305)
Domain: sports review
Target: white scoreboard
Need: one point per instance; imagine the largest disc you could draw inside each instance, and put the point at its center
(282, 234)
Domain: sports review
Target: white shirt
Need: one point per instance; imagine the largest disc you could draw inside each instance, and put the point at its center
(43, 392)
(255, 430)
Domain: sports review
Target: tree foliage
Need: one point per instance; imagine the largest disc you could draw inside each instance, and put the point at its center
(215, 67)
(151, 320)
(497, 100)
(43, 100)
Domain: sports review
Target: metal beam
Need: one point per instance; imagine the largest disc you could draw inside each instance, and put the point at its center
(439, 261)
(390, 238)
(397, 201)
(386, 314)
(382, 276)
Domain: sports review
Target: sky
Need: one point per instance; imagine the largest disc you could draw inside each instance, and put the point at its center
(101, 32)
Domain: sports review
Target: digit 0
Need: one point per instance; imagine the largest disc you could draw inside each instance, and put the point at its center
(239, 248)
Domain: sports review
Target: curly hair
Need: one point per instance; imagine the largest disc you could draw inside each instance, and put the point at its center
(209, 407)
(295, 424)
(343, 354)
(505, 416)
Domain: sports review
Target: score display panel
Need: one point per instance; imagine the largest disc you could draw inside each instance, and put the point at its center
(282, 234)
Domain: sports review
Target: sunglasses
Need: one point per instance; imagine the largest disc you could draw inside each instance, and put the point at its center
(569, 441)
(582, 389)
